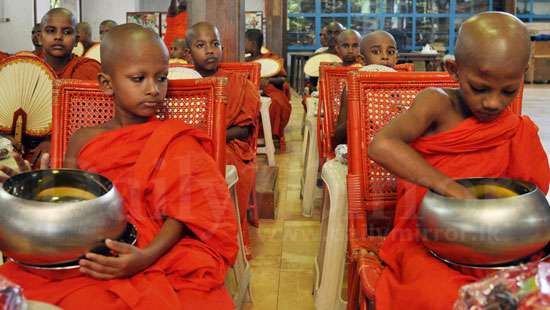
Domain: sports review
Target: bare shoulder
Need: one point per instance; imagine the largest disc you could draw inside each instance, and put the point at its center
(78, 140)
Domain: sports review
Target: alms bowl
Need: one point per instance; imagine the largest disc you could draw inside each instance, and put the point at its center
(509, 221)
(55, 216)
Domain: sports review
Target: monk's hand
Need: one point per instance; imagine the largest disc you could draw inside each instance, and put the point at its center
(7, 172)
(456, 190)
(130, 260)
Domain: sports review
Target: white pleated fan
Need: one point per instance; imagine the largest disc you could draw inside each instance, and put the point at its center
(377, 68)
(26, 84)
(94, 52)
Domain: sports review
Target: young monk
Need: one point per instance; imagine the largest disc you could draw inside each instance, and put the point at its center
(242, 112)
(84, 33)
(171, 189)
(377, 48)
(274, 87)
(176, 21)
(322, 41)
(333, 31)
(179, 52)
(347, 47)
(105, 27)
(455, 133)
(58, 38)
(35, 36)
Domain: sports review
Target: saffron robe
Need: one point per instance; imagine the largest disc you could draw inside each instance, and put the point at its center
(242, 109)
(280, 108)
(176, 26)
(4, 55)
(80, 68)
(173, 178)
(506, 147)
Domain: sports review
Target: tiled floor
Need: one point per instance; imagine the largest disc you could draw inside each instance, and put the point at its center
(284, 249)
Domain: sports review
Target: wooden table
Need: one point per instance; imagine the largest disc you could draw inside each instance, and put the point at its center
(432, 62)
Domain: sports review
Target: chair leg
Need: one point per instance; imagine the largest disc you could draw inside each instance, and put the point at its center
(311, 166)
(269, 148)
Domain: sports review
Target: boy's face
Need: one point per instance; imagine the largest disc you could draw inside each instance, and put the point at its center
(36, 36)
(58, 36)
(380, 50)
(206, 50)
(177, 51)
(323, 37)
(486, 94)
(333, 31)
(348, 48)
(249, 46)
(138, 80)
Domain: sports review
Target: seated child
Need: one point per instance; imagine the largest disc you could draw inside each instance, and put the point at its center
(377, 48)
(105, 27)
(333, 30)
(176, 21)
(84, 33)
(58, 38)
(347, 46)
(274, 87)
(179, 52)
(322, 41)
(35, 33)
(172, 192)
(241, 113)
(455, 133)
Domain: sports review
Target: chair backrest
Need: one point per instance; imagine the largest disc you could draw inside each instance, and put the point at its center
(331, 84)
(405, 67)
(199, 103)
(374, 99)
(252, 69)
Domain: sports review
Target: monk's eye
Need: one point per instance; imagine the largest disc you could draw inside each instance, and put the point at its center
(137, 79)
(375, 51)
(355, 46)
(50, 30)
(68, 31)
(163, 78)
(216, 44)
(391, 52)
(199, 45)
(478, 90)
(509, 93)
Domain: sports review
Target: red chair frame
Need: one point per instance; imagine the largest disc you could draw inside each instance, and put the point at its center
(252, 69)
(199, 103)
(371, 189)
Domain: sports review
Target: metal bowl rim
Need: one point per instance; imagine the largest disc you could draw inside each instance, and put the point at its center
(532, 190)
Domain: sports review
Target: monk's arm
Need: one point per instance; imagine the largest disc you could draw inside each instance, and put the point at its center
(237, 132)
(340, 133)
(390, 147)
(170, 233)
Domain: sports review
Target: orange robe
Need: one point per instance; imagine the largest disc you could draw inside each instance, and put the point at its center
(4, 55)
(80, 68)
(280, 108)
(242, 109)
(176, 26)
(174, 178)
(507, 147)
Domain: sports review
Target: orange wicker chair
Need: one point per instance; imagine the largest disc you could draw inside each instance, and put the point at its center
(374, 99)
(252, 69)
(406, 67)
(200, 103)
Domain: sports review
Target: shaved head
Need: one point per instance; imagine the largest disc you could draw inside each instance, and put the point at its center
(125, 39)
(178, 42)
(106, 26)
(372, 38)
(58, 11)
(108, 23)
(493, 39)
(192, 32)
(348, 34)
(83, 27)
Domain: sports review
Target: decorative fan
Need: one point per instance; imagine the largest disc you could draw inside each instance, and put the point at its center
(25, 97)
(93, 52)
(377, 68)
(311, 68)
(270, 67)
(182, 73)
(78, 50)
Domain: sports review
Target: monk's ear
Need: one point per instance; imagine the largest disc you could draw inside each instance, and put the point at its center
(105, 83)
(451, 67)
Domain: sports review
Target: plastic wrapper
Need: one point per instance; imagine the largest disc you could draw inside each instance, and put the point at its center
(526, 287)
(341, 152)
(11, 296)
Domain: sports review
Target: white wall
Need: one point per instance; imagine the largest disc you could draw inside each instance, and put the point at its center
(254, 5)
(15, 35)
(96, 11)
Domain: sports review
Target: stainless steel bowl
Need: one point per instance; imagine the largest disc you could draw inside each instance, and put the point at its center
(488, 231)
(55, 216)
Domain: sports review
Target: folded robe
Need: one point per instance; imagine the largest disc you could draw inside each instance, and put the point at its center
(506, 147)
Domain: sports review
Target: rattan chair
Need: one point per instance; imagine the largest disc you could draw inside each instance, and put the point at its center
(374, 99)
(252, 69)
